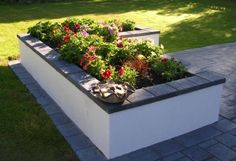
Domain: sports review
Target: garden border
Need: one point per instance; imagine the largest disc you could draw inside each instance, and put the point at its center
(83, 80)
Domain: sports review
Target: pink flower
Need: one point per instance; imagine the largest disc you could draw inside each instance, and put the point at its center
(84, 33)
(92, 48)
(77, 26)
(66, 28)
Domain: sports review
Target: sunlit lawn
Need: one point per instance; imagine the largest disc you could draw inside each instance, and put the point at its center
(26, 133)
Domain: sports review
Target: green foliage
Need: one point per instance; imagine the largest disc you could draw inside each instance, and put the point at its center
(96, 66)
(129, 76)
(128, 25)
(73, 50)
(165, 70)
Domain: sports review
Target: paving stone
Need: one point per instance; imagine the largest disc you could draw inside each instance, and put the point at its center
(222, 152)
(71, 69)
(224, 125)
(173, 157)
(213, 159)
(45, 100)
(197, 154)
(227, 139)
(79, 142)
(161, 89)
(69, 129)
(208, 143)
(181, 84)
(121, 158)
(184, 159)
(90, 154)
(140, 93)
(52, 109)
(60, 119)
(197, 80)
(167, 147)
(210, 75)
(144, 154)
(198, 136)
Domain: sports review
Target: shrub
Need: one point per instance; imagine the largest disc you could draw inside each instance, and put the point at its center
(128, 25)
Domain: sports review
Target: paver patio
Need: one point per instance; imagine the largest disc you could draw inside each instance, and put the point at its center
(211, 143)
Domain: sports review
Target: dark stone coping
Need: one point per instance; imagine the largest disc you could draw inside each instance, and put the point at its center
(139, 31)
(82, 80)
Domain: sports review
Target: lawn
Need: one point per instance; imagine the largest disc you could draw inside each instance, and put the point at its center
(26, 133)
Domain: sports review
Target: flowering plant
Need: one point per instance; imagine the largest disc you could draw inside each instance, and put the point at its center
(97, 49)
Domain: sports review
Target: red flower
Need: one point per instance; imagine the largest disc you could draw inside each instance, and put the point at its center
(121, 71)
(106, 74)
(164, 60)
(66, 28)
(91, 48)
(85, 56)
(77, 26)
(119, 44)
(66, 38)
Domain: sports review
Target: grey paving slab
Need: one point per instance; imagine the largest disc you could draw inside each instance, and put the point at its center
(144, 154)
(208, 143)
(198, 136)
(173, 157)
(69, 129)
(197, 154)
(222, 152)
(224, 125)
(167, 147)
(227, 139)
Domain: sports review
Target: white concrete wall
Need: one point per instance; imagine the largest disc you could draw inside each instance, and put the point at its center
(153, 37)
(155, 122)
(86, 114)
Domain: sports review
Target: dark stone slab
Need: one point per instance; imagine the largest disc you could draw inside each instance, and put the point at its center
(173, 157)
(224, 125)
(161, 90)
(212, 76)
(79, 142)
(222, 152)
(69, 129)
(71, 69)
(90, 154)
(52, 109)
(167, 147)
(227, 139)
(198, 136)
(197, 154)
(140, 95)
(184, 159)
(60, 119)
(208, 143)
(144, 154)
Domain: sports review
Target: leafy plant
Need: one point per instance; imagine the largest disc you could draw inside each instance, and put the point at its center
(165, 70)
(128, 25)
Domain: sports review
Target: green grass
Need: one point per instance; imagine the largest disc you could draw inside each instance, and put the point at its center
(26, 133)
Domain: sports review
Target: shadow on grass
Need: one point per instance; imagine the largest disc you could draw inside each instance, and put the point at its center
(16, 13)
(212, 28)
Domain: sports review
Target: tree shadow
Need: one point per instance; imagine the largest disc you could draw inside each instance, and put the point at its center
(16, 13)
(207, 29)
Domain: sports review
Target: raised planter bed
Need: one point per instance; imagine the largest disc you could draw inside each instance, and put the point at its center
(143, 33)
(148, 116)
